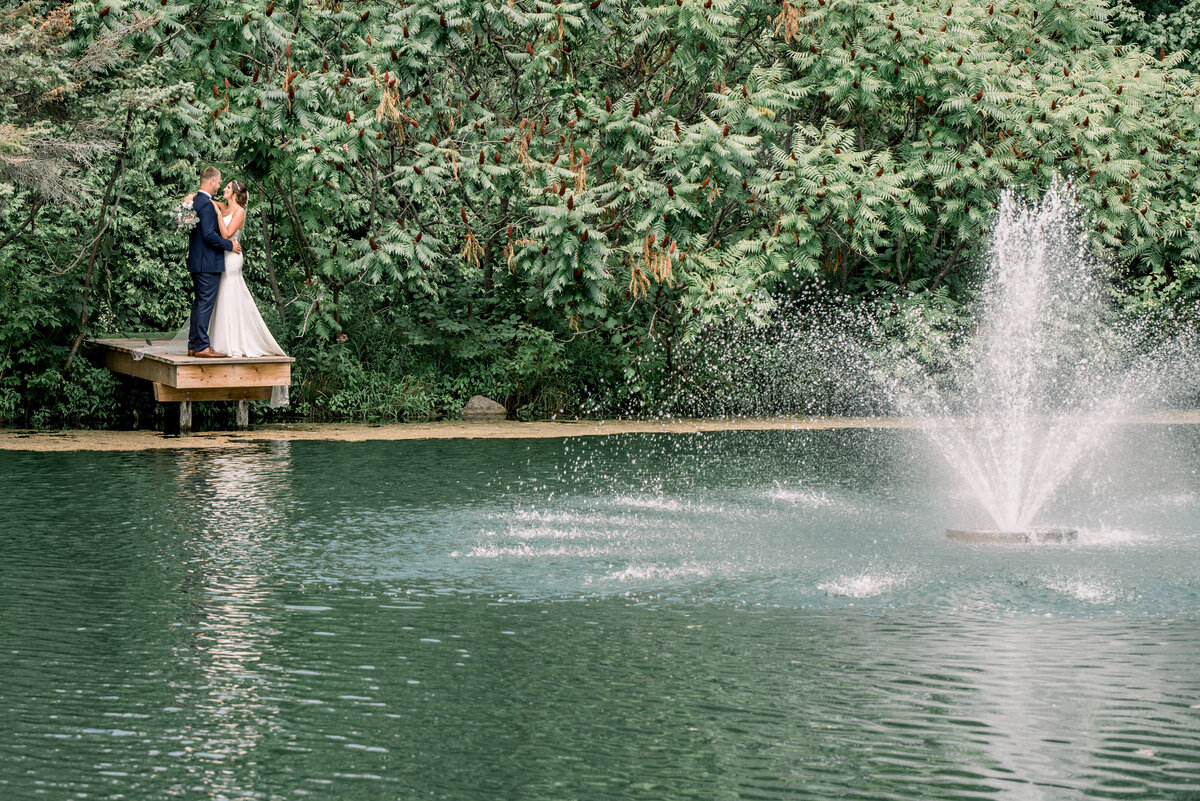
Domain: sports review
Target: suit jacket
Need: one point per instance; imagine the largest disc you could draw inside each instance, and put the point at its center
(206, 246)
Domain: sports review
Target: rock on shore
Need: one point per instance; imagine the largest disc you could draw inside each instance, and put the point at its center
(481, 409)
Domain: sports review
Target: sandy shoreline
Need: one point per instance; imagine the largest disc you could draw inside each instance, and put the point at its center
(89, 440)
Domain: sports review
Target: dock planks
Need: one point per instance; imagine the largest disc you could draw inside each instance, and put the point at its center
(179, 378)
(180, 371)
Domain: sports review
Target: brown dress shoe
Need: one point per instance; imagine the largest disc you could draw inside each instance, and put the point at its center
(210, 353)
(191, 352)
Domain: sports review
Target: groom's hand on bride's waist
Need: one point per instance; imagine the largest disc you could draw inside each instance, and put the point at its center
(237, 247)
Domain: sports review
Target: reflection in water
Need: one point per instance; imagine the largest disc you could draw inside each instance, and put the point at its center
(773, 616)
(1047, 708)
(232, 501)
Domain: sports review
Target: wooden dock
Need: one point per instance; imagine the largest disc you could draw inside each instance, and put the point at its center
(182, 379)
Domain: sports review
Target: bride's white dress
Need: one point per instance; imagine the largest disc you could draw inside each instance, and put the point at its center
(237, 327)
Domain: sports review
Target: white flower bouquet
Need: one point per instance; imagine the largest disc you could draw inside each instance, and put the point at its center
(183, 215)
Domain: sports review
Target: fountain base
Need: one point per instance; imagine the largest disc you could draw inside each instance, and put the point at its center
(991, 537)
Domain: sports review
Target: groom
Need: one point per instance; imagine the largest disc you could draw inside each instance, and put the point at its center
(206, 262)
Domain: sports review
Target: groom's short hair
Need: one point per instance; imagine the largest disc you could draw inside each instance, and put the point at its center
(208, 173)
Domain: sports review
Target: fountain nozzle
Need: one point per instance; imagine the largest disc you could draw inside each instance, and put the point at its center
(992, 537)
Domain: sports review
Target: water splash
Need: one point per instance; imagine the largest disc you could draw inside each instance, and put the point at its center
(864, 585)
(1018, 390)
(1049, 370)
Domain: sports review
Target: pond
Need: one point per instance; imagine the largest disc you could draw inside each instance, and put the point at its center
(772, 615)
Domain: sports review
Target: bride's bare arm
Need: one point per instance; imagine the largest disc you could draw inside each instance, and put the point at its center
(235, 223)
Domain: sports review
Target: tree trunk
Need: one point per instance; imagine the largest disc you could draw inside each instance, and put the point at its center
(947, 267)
(101, 222)
(297, 226)
(489, 274)
(266, 235)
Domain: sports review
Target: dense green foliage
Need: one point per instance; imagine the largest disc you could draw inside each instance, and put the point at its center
(551, 202)
(1161, 25)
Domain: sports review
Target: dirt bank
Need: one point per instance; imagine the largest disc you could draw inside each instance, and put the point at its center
(83, 440)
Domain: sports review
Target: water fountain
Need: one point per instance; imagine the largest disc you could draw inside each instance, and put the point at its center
(1044, 376)
(1051, 368)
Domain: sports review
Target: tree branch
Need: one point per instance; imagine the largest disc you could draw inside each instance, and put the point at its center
(100, 225)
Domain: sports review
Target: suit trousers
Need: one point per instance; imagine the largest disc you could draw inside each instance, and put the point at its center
(204, 298)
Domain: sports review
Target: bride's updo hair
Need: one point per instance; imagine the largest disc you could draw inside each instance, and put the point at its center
(239, 192)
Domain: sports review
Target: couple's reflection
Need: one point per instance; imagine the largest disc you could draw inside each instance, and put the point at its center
(235, 504)
(236, 494)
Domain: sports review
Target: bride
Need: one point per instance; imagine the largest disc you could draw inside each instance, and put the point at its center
(237, 327)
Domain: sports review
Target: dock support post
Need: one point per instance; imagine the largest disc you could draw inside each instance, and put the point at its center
(242, 416)
(170, 420)
(177, 418)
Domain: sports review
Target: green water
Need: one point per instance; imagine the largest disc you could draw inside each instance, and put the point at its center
(747, 615)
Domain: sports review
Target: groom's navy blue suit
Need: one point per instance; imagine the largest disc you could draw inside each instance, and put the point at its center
(206, 262)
